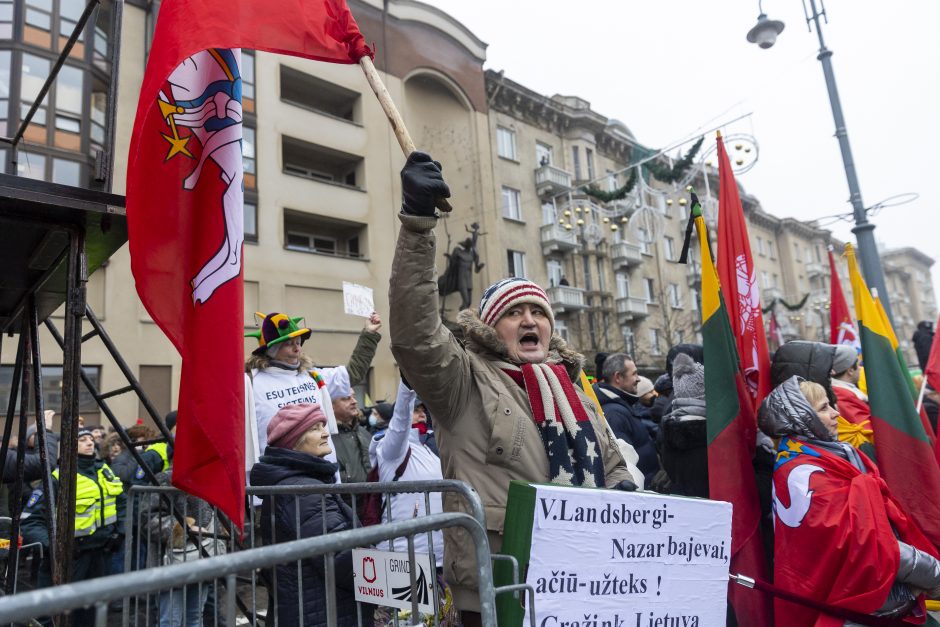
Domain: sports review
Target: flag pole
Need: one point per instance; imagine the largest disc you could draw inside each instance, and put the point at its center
(394, 117)
(920, 397)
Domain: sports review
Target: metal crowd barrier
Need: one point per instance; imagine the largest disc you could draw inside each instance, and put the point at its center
(98, 593)
(152, 510)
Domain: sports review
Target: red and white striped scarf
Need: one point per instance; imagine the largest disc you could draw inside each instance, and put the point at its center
(567, 432)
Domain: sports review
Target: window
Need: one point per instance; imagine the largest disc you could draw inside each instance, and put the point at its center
(39, 14)
(248, 149)
(601, 280)
(760, 246)
(248, 81)
(320, 163)
(516, 263)
(68, 99)
(773, 280)
(645, 241)
(66, 172)
(31, 166)
(623, 285)
(251, 221)
(5, 57)
(650, 288)
(549, 215)
(309, 92)
(6, 23)
(99, 107)
(512, 204)
(808, 255)
(796, 252)
(818, 253)
(629, 340)
(576, 162)
(693, 299)
(544, 154)
(611, 181)
(765, 279)
(770, 249)
(52, 390)
(677, 337)
(554, 270)
(102, 28)
(654, 342)
(586, 266)
(506, 143)
(35, 71)
(304, 232)
(675, 298)
(669, 247)
(562, 328)
(589, 157)
(69, 12)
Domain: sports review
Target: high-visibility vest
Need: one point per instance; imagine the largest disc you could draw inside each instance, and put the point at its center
(161, 449)
(95, 502)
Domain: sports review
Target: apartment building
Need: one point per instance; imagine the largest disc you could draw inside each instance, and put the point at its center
(322, 191)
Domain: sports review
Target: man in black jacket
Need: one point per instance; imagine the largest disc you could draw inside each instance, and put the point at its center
(617, 396)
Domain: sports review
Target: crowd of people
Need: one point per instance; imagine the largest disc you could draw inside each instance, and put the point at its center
(500, 401)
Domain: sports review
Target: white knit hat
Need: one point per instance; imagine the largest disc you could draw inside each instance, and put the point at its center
(507, 293)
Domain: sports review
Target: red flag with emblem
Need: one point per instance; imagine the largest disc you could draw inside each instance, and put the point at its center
(932, 369)
(841, 327)
(185, 208)
(834, 530)
(739, 283)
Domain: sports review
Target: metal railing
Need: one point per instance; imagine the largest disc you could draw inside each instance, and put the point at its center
(98, 593)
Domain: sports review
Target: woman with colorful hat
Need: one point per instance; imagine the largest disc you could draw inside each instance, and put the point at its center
(278, 374)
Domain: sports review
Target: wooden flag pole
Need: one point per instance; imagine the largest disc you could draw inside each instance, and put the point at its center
(394, 117)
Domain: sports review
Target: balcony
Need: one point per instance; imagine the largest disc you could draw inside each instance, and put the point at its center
(550, 180)
(630, 308)
(557, 239)
(566, 299)
(623, 207)
(625, 255)
(815, 269)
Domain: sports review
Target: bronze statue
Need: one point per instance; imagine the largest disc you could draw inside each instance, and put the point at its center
(461, 264)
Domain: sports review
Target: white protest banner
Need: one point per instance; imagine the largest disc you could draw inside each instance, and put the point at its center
(382, 578)
(606, 558)
(357, 299)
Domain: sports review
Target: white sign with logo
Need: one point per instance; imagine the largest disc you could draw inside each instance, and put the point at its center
(357, 299)
(383, 578)
(604, 557)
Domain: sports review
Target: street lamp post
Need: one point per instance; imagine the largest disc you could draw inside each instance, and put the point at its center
(764, 34)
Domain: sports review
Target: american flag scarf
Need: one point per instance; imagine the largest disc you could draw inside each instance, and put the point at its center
(567, 433)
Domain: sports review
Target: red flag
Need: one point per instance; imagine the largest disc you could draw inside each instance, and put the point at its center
(835, 534)
(932, 369)
(185, 212)
(841, 327)
(739, 283)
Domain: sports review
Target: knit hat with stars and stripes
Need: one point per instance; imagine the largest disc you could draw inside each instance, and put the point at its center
(507, 293)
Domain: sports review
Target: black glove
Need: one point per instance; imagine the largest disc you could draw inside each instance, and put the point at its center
(115, 543)
(626, 486)
(404, 380)
(421, 185)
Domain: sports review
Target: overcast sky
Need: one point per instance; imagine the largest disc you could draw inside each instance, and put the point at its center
(669, 67)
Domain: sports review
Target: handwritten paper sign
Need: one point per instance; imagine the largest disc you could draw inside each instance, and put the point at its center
(624, 559)
(357, 300)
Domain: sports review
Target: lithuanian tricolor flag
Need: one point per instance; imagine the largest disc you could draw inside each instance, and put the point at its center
(732, 431)
(905, 457)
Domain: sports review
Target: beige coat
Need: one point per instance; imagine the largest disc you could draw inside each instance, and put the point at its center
(482, 419)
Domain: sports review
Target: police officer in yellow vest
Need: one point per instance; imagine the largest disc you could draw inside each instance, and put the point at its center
(158, 457)
(99, 517)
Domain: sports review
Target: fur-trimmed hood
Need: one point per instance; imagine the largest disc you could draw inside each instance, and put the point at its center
(483, 340)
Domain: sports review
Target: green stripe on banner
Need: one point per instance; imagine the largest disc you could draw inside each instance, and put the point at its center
(720, 369)
(888, 393)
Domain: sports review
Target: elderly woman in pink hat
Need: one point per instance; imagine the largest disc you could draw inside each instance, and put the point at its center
(298, 444)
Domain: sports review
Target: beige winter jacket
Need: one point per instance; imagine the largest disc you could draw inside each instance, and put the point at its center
(481, 417)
